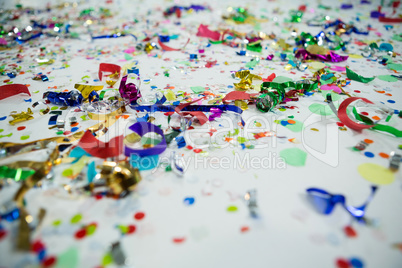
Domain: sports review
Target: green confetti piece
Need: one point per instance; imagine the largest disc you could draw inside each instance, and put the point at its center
(294, 157)
(68, 259)
(282, 79)
(356, 77)
(252, 64)
(8, 135)
(84, 117)
(387, 78)
(25, 137)
(107, 259)
(197, 89)
(242, 139)
(128, 56)
(76, 218)
(91, 229)
(394, 66)
(54, 108)
(320, 109)
(56, 223)
(231, 209)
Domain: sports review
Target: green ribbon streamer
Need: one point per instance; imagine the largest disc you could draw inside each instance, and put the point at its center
(295, 85)
(354, 76)
(217, 42)
(256, 47)
(380, 127)
(15, 174)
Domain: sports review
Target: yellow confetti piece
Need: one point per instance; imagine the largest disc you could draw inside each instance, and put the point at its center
(315, 65)
(376, 174)
(170, 96)
(314, 129)
(355, 56)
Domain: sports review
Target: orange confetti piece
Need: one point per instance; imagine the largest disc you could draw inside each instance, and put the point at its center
(376, 117)
(384, 155)
(292, 122)
(368, 141)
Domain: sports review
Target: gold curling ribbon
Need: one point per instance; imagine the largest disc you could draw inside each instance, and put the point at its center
(87, 89)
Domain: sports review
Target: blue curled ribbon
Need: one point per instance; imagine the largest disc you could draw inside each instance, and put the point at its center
(325, 202)
(113, 36)
(190, 108)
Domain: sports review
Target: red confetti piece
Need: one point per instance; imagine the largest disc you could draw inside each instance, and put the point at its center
(340, 124)
(37, 246)
(197, 151)
(3, 234)
(179, 240)
(244, 229)
(350, 232)
(342, 263)
(81, 234)
(139, 215)
(131, 229)
(21, 128)
(189, 147)
(49, 261)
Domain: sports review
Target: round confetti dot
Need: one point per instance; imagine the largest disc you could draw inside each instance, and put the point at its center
(37, 247)
(179, 240)
(21, 128)
(131, 229)
(391, 101)
(49, 261)
(368, 141)
(139, 216)
(189, 201)
(244, 229)
(25, 137)
(74, 129)
(342, 263)
(356, 263)
(376, 117)
(350, 232)
(384, 155)
(80, 234)
(91, 228)
(369, 154)
(376, 174)
(400, 146)
(2, 234)
(232, 208)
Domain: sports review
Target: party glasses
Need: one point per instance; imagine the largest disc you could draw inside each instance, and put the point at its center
(325, 202)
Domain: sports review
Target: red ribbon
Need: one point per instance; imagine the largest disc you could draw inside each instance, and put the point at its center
(108, 67)
(203, 31)
(12, 90)
(168, 48)
(100, 149)
(343, 116)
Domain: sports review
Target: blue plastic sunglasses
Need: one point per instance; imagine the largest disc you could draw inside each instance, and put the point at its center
(325, 202)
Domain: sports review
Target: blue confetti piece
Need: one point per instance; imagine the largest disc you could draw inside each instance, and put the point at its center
(189, 201)
(3, 118)
(391, 101)
(77, 153)
(74, 129)
(91, 171)
(28, 100)
(369, 154)
(356, 263)
(284, 123)
(230, 86)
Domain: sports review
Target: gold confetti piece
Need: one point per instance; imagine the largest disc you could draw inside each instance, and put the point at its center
(121, 178)
(21, 117)
(241, 104)
(314, 129)
(87, 89)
